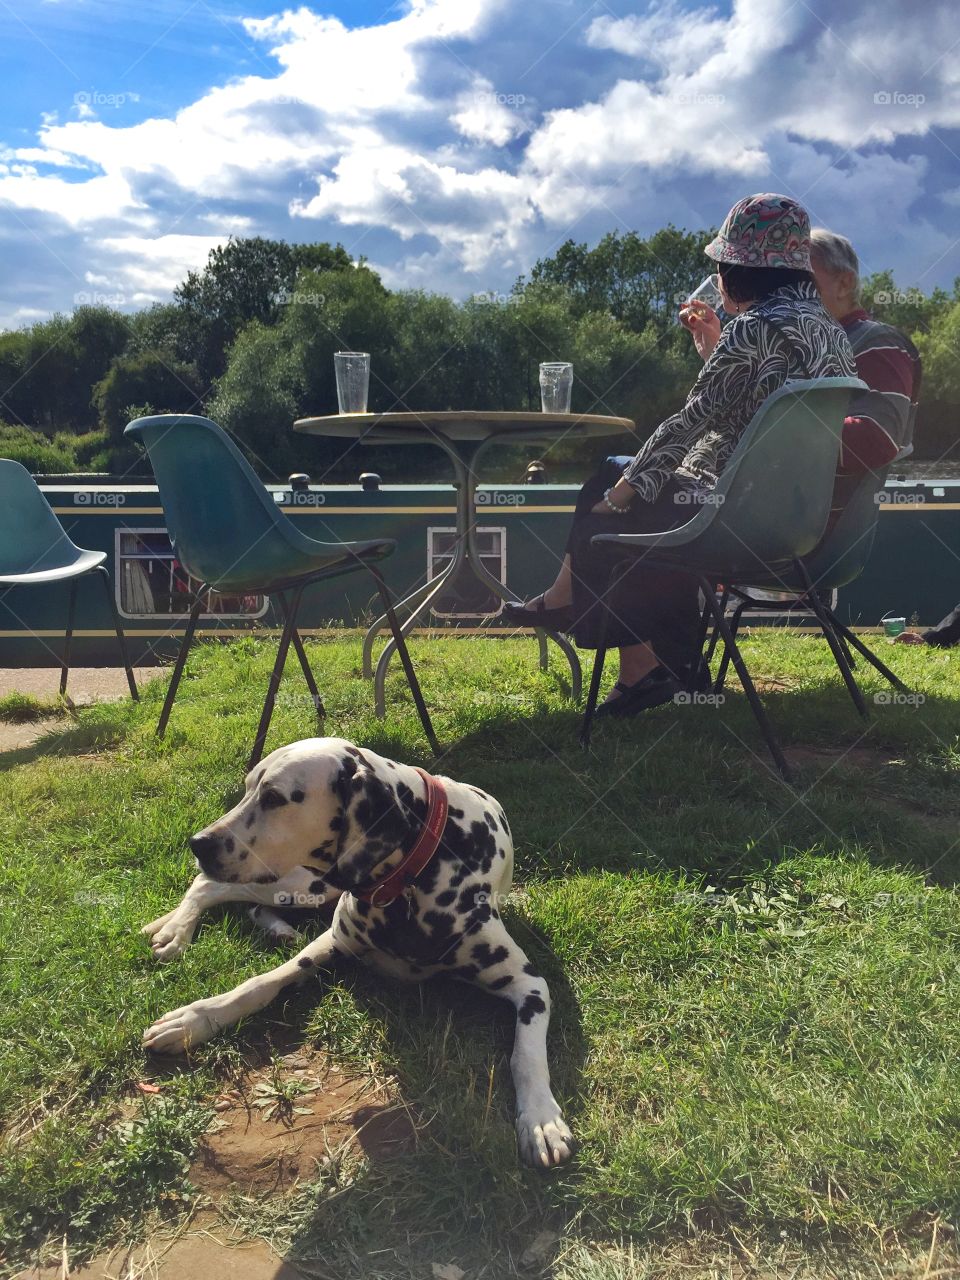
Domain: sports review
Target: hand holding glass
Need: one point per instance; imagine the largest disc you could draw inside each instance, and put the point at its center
(353, 380)
(708, 292)
(556, 386)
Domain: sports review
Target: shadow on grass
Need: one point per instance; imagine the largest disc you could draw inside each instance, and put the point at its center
(77, 740)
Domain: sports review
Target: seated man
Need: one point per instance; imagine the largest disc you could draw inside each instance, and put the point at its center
(881, 420)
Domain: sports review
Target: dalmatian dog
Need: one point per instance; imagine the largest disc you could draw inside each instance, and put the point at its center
(322, 820)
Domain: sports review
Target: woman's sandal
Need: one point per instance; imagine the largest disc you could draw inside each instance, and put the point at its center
(538, 615)
(652, 690)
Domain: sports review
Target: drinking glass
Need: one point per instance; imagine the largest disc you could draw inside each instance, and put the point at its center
(556, 386)
(353, 380)
(707, 291)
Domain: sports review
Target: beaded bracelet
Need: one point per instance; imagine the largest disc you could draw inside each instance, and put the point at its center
(621, 511)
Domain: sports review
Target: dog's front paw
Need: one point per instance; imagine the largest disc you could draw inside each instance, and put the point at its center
(182, 1029)
(169, 937)
(543, 1139)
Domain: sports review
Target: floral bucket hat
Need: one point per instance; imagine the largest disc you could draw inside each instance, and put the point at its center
(764, 231)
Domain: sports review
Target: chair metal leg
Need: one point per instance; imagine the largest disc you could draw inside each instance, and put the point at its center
(852, 638)
(283, 648)
(68, 637)
(616, 573)
(181, 661)
(725, 658)
(725, 595)
(404, 653)
(304, 664)
(826, 626)
(121, 638)
(753, 697)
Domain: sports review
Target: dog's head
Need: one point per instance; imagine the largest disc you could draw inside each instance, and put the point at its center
(321, 803)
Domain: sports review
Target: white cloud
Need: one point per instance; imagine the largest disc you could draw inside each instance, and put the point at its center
(453, 143)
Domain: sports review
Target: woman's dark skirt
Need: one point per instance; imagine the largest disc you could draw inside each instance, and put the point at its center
(659, 606)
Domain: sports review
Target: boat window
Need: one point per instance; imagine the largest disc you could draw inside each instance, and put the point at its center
(151, 582)
(466, 597)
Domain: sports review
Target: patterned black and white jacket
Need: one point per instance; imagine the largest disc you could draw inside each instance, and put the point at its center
(753, 358)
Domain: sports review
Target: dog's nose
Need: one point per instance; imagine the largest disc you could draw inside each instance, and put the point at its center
(205, 849)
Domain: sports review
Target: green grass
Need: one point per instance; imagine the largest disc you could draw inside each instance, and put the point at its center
(754, 1034)
(24, 708)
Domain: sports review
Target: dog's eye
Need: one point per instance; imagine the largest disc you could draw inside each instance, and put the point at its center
(272, 800)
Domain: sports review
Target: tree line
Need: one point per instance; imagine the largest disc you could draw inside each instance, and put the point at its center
(249, 341)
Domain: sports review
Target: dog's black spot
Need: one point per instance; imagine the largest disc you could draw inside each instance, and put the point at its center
(251, 842)
(319, 853)
(360, 926)
(531, 969)
(532, 1005)
(487, 956)
(391, 765)
(444, 899)
(231, 879)
(318, 886)
(305, 962)
(297, 796)
(229, 844)
(454, 813)
(272, 800)
(490, 820)
(336, 822)
(503, 823)
(467, 972)
(243, 855)
(363, 908)
(251, 819)
(269, 878)
(499, 983)
(256, 911)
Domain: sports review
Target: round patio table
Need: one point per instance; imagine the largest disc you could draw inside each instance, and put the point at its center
(464, 436)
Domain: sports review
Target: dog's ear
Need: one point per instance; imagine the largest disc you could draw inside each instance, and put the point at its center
(376, 816)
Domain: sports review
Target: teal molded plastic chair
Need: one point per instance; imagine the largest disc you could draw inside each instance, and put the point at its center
(838, 558)
(769, 509)
(229, 535)
(35, 551)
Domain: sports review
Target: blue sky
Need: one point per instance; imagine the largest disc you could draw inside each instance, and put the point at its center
(453, 142)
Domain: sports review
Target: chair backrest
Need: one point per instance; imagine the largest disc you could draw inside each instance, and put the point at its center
(772, 500)
(845, 549)
(224, 526)
(31, 536)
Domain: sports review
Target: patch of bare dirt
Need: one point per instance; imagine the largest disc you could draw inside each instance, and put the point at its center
(872, 760)
(286, 1120)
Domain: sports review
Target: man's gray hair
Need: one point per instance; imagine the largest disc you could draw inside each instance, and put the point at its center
(835, 252)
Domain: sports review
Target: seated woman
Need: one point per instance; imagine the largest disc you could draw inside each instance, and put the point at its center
(779, 331)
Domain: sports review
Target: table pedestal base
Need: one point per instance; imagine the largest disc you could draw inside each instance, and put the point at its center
(463, 454)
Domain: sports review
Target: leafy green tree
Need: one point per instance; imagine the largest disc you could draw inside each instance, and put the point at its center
(244, 280)
(909, 310)
(638, 281)
(146, 378)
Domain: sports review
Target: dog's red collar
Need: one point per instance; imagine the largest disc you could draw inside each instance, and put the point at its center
(403, 875)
